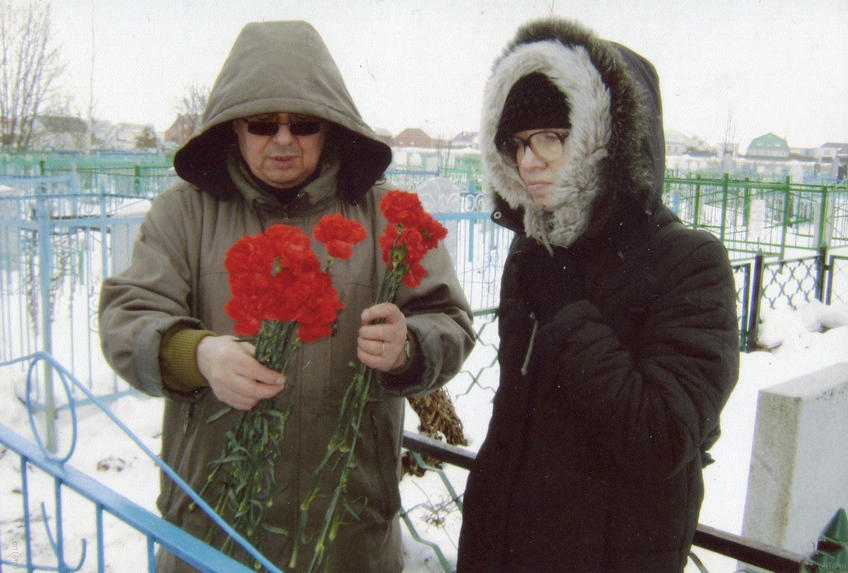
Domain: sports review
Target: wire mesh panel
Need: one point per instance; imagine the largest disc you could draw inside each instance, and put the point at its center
(789, 284)
(837, 285)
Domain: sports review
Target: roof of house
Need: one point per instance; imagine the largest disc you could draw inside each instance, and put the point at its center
(770, 141)
(412, 132)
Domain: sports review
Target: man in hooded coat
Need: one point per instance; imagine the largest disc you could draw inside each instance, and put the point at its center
(281, 142)
(618, 328)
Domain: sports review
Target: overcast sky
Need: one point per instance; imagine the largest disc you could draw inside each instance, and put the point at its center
(743, 67)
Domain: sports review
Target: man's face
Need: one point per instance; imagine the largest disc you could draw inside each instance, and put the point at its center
(286, 157)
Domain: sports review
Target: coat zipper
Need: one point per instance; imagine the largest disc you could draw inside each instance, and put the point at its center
(530, 345)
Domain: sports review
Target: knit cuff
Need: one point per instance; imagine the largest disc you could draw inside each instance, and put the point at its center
(177, 358)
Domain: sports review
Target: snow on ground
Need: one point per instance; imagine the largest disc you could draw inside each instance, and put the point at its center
(798, 342)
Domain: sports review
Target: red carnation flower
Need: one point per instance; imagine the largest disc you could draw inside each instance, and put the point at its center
(276, 276)
(339, 235)
(401, 207)
(410, 234)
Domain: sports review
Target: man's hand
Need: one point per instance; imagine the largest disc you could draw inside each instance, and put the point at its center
(236, 378)
(382, 337)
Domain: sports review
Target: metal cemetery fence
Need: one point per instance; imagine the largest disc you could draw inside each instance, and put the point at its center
(786, 284)
(39, 465)
(48, 543)
(58, 242)
(769, 217)
(66, 226)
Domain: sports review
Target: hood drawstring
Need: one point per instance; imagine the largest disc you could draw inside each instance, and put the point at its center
(530, 345)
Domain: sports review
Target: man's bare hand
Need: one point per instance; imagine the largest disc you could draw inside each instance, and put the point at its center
(381, 346)
(236, 378)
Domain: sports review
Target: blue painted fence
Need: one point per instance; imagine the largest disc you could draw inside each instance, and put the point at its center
(59, 238)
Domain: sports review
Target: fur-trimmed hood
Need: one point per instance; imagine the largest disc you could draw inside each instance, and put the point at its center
(281, 67)
(616, 154)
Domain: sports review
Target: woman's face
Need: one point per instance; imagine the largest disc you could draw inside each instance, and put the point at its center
(539, 157)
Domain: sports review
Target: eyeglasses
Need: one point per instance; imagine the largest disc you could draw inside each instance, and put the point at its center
(547, 145)
(309, 126)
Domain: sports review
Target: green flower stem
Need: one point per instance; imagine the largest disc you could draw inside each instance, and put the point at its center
(342, 447)
(251, 449)
(276, 343)
(346, 451)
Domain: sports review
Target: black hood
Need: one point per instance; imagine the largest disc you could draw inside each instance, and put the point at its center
(615, 160)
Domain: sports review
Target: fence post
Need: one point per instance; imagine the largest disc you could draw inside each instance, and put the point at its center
(824, 231)
(787, 213)
(45, 271)
(725, 186)
(696, 208)
(137, 179)
(821, 269)
(756, 294)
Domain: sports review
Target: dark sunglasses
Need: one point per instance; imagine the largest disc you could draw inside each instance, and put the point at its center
(296, 127)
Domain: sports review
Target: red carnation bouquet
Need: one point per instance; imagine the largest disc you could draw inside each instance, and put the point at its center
(410, 234)
(281, 298)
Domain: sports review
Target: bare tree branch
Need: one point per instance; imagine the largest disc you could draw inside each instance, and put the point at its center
(29, 68)
(193, 105)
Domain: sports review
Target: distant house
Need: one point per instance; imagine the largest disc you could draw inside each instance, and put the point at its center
(59, 132)
(676, 143)
(768, 146)
(832, 151)
(833, 157)
(181, 129)
(384, 135)
(466, 139)
(413, 137)
(803, 153)
(123, 136)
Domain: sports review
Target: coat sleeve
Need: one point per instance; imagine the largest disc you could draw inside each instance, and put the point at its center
(653, 404)
(439, 317)
(140, 304)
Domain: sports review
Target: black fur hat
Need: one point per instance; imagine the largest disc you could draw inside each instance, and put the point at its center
(533, 102)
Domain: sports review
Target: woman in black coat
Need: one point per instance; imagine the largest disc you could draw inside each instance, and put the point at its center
(619, 341)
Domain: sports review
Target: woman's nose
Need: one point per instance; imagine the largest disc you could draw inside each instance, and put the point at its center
(530, 159)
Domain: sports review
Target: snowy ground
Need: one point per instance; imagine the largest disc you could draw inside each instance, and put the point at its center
(801, 342)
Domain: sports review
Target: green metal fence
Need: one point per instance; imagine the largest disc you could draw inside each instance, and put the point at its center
(775, 218)
(778, 218)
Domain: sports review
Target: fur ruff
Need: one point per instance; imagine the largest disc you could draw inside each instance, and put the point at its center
(571, 70)
(623, 147)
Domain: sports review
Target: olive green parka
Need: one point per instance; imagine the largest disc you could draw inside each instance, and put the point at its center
(177, 277)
